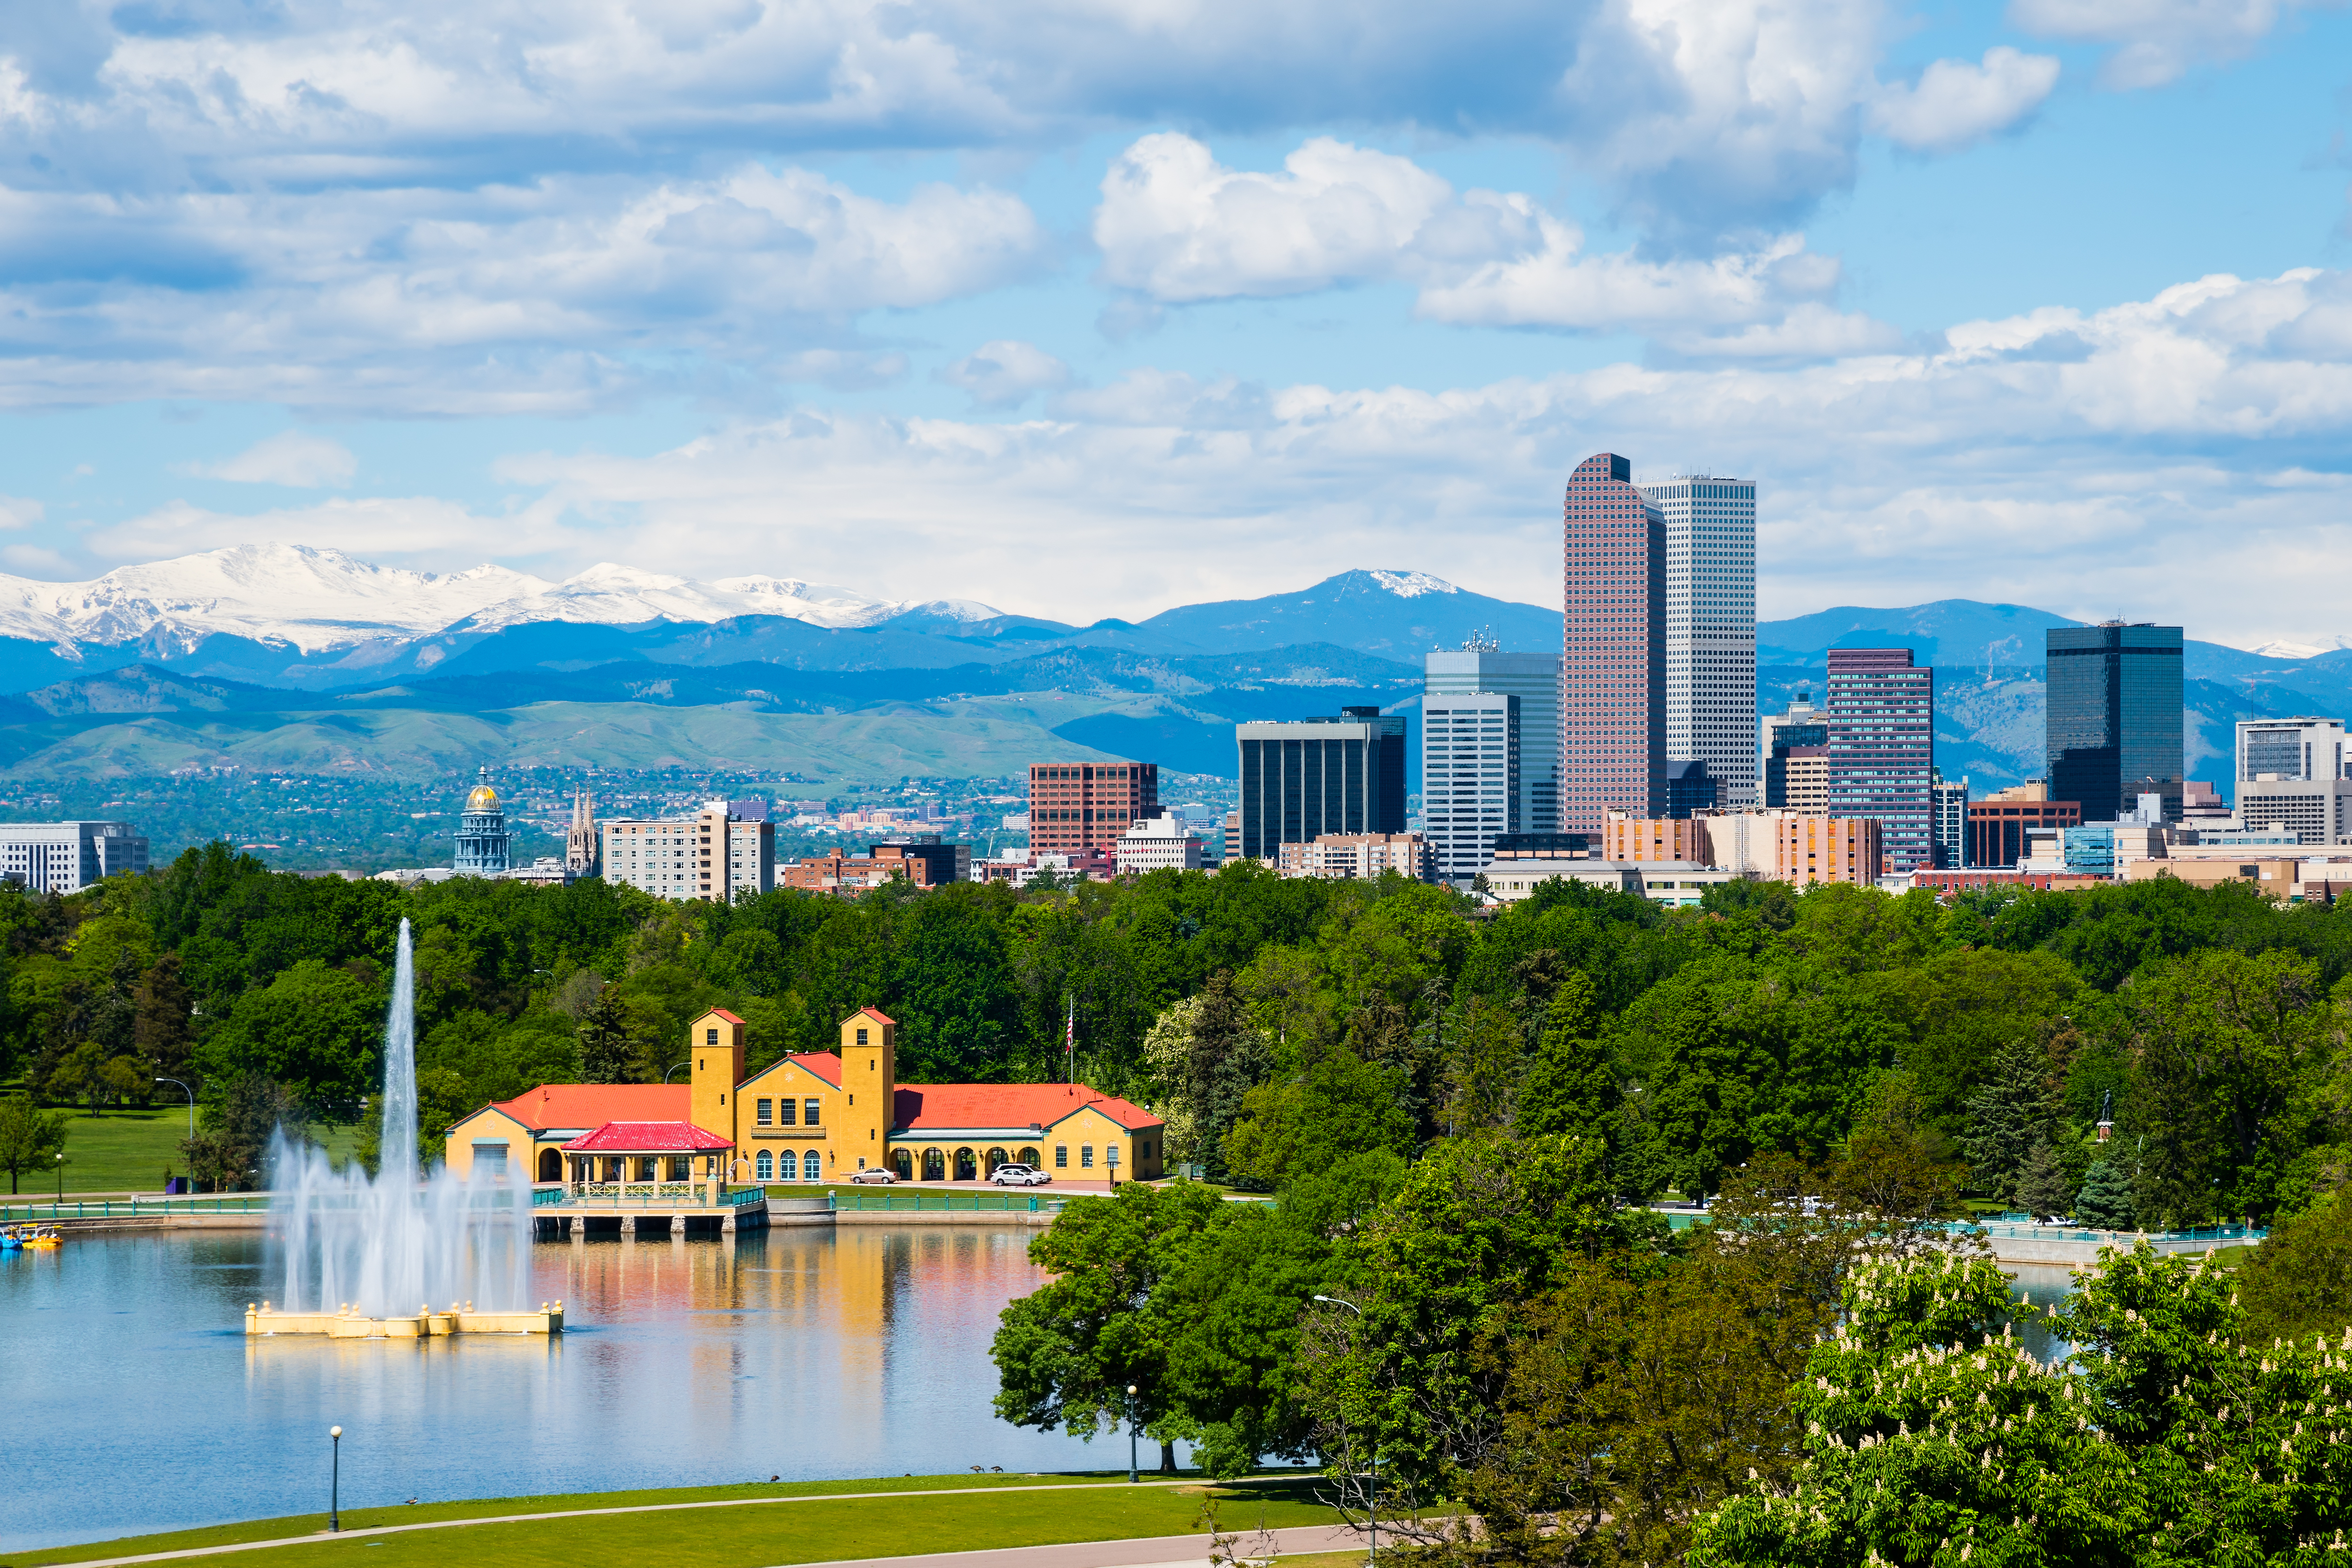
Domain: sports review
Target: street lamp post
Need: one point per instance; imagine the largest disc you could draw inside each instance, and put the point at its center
(61, 1178)
(335, 1481)
(1372, 1492)
(191, 1093)
(1132, 1475)
(688, 1062)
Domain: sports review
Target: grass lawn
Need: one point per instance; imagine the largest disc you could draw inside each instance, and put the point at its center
(994, 1512)
(130, 1151)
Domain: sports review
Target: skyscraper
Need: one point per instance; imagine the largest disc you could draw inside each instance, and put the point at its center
(1951, 809)
(1306, 777)
(2301, 748)
(1481, 668)
(1882, 725)
(1470, 766)
(1710, 643)
(1796, 757)
(2115, 719)
(1612, 651)
(1078, 808)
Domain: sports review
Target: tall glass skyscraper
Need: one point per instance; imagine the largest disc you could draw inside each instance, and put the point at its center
(1612, 750)
(1710, 634)
(2115, 717)
(1882, 731)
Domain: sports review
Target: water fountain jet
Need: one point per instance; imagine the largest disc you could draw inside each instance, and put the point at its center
(377, 1245)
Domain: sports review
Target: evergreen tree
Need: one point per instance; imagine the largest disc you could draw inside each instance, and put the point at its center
(1571, 1085)
(607, 1053)
(2014, 1110)
(2041, 1185)
(2105, 1201)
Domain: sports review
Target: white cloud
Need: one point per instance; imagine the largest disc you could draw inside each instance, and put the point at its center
(1955, 103)
(524, 299)
(1178, 226)
(19, 512)
(292, 457)
(1005, 374)
(2155, 40)
(2051, 458)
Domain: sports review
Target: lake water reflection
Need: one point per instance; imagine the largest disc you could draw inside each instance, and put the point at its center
(136, 1403)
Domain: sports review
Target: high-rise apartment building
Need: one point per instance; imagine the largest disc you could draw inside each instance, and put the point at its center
(707, 855)
(2115, 717)
(1710, 634)
(1082, 807)
(1882, 750)
(2302, 749)
(1304, 778)
(66, 856)
(1614, 648)
(1470, 777)
(1949, 803)
(1479, 668)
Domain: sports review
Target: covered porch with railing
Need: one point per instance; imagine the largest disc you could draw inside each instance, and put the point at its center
(650, 1179)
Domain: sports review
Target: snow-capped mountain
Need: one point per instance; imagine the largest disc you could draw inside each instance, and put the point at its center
(310, 598)
(320, 600)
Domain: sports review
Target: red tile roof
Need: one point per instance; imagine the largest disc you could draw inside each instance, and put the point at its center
(594, 1104)
(722, 1013)
(649, 1138)
(948, 1107)
(876, 1013)
(824, 1064)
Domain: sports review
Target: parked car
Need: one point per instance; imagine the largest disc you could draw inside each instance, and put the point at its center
(1020, 1176)
(873, 1175)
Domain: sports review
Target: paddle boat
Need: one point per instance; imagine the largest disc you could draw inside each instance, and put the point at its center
(45, 1236)
(9, 1240)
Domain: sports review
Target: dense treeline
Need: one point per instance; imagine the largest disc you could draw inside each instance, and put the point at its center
(1283, 1026)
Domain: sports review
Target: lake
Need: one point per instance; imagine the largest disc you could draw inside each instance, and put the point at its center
(136, 1403)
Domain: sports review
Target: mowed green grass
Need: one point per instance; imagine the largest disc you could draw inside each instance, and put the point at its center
(131, 1152)
(992, 1511)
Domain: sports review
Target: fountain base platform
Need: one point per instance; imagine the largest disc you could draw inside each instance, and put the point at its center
(348, 1324)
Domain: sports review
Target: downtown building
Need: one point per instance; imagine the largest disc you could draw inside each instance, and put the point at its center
(1710, 629)
(1612, 750)
(2114, 728)
(66, 856)
(1882, 751)
(712, 854)
(1301, 779)
(1082, 808)
(1471, 773)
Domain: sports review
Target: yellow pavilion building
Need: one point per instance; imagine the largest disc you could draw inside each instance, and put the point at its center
(819, 1117)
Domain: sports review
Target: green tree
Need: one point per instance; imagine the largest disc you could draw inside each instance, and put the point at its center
(30, 1138)
(1066, 1354)
(2042, 1185)
(1571, 1087)
(2104, 1200)
(2016, 1110)
(608, 1049)
(1339, 1105)
(316, 1031)
(2299, 1280)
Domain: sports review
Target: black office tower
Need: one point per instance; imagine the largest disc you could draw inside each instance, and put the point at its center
(2114, 725)
(1306, 777)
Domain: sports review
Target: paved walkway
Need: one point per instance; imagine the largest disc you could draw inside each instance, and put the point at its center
(1152, 1552)
(1161, 1551)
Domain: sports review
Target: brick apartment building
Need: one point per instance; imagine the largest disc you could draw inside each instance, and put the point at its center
(1081, 808)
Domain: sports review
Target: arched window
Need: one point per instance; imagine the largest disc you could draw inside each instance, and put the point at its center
(994, 1158)
(765, 1167)
(1029, 1158)
(811, 1169)
(551, 1165)
(935, 1165)
(902, 1164)
(965, 1169)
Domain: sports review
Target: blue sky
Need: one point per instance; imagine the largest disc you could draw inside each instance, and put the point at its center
(1092, 306)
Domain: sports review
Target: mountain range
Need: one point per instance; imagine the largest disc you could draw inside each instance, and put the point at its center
(283, 658)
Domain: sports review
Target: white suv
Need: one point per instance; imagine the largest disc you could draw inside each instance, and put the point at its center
(1020, 1176)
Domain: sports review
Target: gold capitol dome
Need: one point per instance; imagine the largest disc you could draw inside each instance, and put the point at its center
(484, 798)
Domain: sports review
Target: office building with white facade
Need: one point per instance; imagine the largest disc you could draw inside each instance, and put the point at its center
(713, 856)
(1470, 777)
(1710, 629)
(1480, 669)
(2297, 750)
(1159, 843)
(66, 856)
